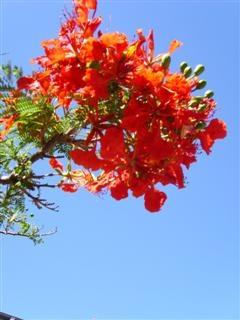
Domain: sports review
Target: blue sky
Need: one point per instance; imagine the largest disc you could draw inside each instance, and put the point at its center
(114, 260)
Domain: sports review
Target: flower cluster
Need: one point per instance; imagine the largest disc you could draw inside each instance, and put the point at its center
(142, 121)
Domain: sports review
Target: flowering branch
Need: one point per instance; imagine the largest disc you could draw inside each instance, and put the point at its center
(115, 113)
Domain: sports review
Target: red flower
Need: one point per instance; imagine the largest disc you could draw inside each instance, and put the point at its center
(68, 187)
(140, 121)
(154, 200)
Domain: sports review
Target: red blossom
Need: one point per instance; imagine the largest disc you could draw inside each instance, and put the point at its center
(142, 121)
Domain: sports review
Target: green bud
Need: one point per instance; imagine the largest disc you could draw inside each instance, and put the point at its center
(201, 84)
(198, 98)
(183, 66)
(93, 64)
(166, 60)
(209, 94)
(193, 103)
(201, 125)
(187, 72)
(202, 107)
(199, 69)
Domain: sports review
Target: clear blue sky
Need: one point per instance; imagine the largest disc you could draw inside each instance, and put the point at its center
(114, 260)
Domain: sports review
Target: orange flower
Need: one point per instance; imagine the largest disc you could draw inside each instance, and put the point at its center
(115, 40)
(179, 84)
(141, 121)
(147, 76)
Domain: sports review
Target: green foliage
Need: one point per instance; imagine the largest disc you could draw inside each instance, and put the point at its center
(35, 120)
(8, 75)
(37, 131)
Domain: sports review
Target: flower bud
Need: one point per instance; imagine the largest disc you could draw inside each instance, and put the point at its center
(201, 84)
(198, 98)
(209, 94)
(93, 64)
(187, 72)
(199, 69)
(200, 125)
(166, 59)
(202, 107)
(193, 103)
(183, 66)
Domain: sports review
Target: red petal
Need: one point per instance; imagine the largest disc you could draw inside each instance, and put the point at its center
(154, 200)
(55, 164)
(135, 121)
(115, 39)
(217, 129)
(150, 40)
(112, 144)
(88, 159)
(138, 187)
(177, 172)
(24, 82)
(91, 4)
(206, 141)
(81, 11)
(68, 187)
(119, 190)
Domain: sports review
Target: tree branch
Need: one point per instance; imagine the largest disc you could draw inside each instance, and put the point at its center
(47, 147)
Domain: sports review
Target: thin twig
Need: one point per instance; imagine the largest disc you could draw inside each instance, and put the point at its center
(43, 176)
(12, 233)
(40, 203)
